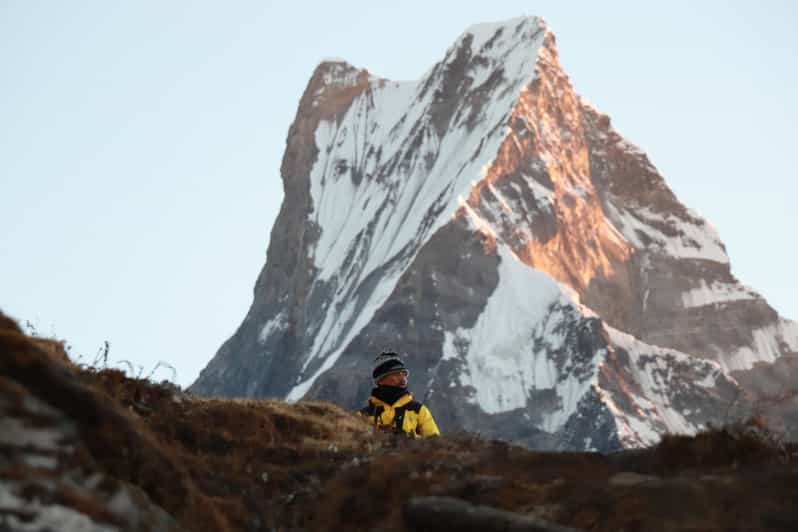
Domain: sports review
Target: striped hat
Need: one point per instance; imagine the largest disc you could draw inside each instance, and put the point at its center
(386, 363)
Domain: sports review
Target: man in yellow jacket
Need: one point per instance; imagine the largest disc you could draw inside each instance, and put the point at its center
(391, 405)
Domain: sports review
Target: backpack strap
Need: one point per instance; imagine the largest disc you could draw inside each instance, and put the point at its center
(413, 406)
(399, 418)
(372, 411)
(376, 413)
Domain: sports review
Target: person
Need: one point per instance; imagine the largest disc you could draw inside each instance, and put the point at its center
(391, 406)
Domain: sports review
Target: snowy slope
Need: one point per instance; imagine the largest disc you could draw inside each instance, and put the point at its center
(414, 175)
(522, 344)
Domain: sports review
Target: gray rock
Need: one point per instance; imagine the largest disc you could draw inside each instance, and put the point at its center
(450, 513)
(627, 478)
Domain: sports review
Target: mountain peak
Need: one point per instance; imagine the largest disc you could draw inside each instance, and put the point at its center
(508, 48)
(518, 248)
(518, 28)
(337, 73)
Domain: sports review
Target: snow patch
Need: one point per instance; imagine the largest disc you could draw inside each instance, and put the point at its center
(277, 324)
(691, 241)
(653, 369)
(768, 344)
(341, 74)
(499, 358)
(716, 292)
(482, 33)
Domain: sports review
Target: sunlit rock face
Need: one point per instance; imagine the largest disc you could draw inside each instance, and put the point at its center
(542, 280)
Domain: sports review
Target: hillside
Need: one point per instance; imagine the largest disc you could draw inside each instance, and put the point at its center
(85, 449)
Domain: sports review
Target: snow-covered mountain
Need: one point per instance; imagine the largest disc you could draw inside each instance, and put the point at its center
(542, 280)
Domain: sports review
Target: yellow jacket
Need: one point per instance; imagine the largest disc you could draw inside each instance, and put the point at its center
(415, 418)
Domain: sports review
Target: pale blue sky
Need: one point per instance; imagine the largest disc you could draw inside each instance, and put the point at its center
(140, 142)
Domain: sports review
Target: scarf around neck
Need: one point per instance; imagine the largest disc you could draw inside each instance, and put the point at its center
(388, 394)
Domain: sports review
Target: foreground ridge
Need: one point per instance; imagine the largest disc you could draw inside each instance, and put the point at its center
(88, 449)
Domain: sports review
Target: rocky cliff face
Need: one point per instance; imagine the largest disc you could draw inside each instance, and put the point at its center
(541, 278)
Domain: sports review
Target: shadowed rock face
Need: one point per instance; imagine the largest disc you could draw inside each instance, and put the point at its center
(285, 286)
(541, 278)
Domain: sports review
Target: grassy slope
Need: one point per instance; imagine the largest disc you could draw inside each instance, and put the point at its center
(258, 464)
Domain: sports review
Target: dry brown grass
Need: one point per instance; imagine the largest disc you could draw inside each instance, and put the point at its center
(227, 464)
(742, 444)
(244, 457)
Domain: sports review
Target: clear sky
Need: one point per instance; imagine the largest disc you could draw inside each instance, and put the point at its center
(140, 141)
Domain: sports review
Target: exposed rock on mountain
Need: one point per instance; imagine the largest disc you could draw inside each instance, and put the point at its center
(543, 281)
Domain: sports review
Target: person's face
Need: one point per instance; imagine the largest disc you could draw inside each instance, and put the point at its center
(398, 379)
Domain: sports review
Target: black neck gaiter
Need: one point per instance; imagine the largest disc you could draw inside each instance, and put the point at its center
(388, 394)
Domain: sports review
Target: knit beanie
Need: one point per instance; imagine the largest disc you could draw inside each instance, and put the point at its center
(387, 363)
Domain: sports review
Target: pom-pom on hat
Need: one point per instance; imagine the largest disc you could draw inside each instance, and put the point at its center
(387, 363)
